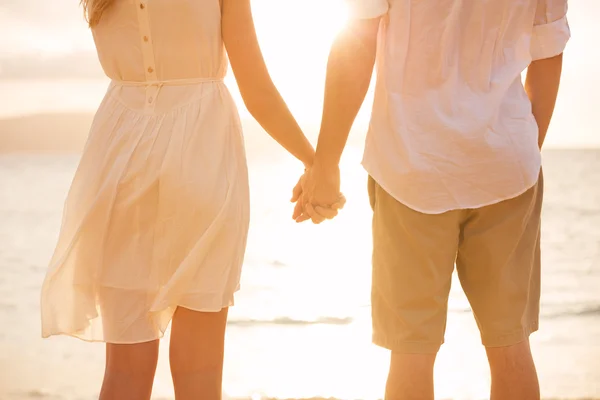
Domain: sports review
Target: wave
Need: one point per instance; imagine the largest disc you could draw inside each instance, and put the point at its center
(582, 311)
(291, 321)
(585, 311)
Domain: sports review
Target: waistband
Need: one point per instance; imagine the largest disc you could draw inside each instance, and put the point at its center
(172, 82)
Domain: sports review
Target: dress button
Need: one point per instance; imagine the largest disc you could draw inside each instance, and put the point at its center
(150, 69)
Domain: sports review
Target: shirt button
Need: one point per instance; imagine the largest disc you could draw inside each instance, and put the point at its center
(150, 69)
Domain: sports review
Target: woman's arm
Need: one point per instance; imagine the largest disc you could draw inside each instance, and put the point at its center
(256, 87)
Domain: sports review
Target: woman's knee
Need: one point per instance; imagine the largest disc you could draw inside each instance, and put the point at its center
(197, 339)
(135, 359)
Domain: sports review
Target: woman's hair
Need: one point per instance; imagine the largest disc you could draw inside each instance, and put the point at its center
(93, 9)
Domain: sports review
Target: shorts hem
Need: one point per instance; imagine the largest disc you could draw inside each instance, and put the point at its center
(510, 339)
(404, 347)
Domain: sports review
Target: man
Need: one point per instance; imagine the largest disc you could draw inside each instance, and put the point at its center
(453, 154)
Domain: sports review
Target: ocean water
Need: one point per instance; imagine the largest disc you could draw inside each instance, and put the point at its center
(301, 324)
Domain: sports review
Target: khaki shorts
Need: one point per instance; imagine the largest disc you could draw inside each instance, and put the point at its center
(496, 250)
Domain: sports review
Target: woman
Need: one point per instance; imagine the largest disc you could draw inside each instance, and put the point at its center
(157, 216)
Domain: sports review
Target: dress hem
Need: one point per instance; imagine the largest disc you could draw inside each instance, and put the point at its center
(160, 335)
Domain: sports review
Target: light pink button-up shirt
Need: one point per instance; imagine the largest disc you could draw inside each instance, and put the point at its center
(452, 126)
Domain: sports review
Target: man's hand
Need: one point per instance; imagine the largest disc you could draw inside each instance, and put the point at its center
(349, 72)
(318, 194)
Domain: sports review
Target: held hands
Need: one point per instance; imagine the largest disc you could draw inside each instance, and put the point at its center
(317, 194)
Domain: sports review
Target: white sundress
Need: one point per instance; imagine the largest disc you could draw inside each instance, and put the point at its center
(158, 212)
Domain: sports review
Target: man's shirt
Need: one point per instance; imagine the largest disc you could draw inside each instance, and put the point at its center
(452, 126)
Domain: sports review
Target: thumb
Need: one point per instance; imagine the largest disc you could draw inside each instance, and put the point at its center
(297, 192)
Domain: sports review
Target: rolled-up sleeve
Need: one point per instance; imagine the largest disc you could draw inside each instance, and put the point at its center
(367, 9)
(551, 29)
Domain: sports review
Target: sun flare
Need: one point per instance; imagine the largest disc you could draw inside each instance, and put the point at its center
(295, 38)
(314, 23)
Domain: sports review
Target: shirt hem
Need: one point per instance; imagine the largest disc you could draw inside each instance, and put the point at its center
(408, 204)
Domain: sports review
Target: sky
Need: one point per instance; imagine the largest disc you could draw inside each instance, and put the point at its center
(49, 40)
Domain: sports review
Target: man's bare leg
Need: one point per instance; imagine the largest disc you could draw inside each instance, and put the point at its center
(410, 377)
(514, 376)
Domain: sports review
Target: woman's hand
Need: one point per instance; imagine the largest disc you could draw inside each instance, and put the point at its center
(317, 195)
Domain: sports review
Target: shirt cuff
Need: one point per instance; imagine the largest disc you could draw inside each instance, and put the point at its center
(550, 39)
(367, 9)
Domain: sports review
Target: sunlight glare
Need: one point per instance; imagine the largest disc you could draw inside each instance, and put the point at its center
(336, 13)
(295, 38)
(312, 22)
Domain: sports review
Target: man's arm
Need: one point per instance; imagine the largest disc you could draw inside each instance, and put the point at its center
(541, 84)
(349, 72)
(548, 40)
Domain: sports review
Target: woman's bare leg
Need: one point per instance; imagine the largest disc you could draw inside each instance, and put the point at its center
(130, 369)
(196, 354)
